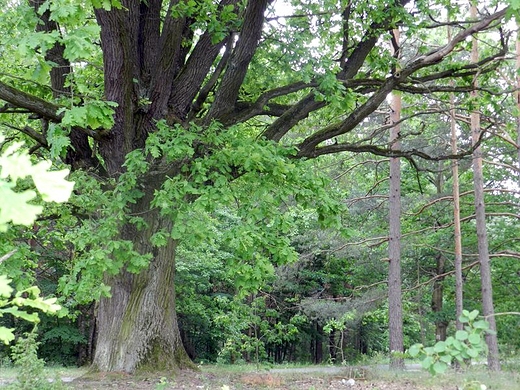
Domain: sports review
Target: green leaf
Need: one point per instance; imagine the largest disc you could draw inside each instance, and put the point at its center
(52, 185)
(458, 345)
(5, 289)
(15, 164)
(159, 239)
(415, 349)
(464, 318)
(6, 334)
(58, 139)
(440, 346)
(440, 367)
(474, 339)
(461, 335)
(481, 324)
(107, 4)
(427, 362)
(446, 358)
(20, 212)
(472, 315)
(473, 353)
(15, 311)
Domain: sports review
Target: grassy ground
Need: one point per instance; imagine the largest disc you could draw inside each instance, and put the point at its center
(248, 377)
(467, 380)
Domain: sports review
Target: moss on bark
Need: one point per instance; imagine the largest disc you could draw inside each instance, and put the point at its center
(159, 360)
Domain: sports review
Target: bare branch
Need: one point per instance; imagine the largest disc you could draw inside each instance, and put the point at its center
(38, 137)
(7, 255)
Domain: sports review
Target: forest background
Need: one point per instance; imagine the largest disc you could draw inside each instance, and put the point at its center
(234, 195)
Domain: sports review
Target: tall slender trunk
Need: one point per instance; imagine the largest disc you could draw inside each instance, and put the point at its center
(437, 303)
(395, 308)
(457, 235)
(480, 213)
(332, 346)
(318, 344)
(517, 95)
(441, 325)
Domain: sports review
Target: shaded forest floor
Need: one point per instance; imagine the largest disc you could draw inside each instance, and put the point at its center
(308, 378)
(218, 377)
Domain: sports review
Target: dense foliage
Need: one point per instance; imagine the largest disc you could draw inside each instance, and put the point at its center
(231, 162)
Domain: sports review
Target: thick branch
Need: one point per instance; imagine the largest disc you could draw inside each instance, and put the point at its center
(148, 38)
(388, 152)
(351, 66)
(212, 82)
(191, 77)
(246, 46)
(245, 111)
(29, 102)
(61, 66)
(438, 55)
(292, 116)
(308, 146)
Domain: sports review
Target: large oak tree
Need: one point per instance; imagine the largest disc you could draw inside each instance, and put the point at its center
(181, 81)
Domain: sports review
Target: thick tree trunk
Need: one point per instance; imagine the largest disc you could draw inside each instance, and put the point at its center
(138, 322)
(146, 58)
(137, 325)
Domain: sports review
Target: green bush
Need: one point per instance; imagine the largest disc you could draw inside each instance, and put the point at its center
(467, 344)
(31, 373)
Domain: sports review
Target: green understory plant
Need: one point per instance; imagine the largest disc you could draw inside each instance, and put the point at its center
(465, 345)
(31, 373)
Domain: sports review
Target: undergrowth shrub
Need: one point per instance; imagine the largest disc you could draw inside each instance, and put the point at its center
(31, 369)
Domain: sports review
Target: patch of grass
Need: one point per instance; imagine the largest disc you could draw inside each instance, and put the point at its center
(504, 380)
(234, 368)
(8, 373)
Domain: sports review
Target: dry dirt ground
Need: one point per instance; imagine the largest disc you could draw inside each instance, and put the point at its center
(347, 378)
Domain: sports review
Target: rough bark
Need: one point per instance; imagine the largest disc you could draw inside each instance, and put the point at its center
(395, 307)
(227, 94)
(120, 70)
(138, 325)
(480, 218)
(79, 155)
